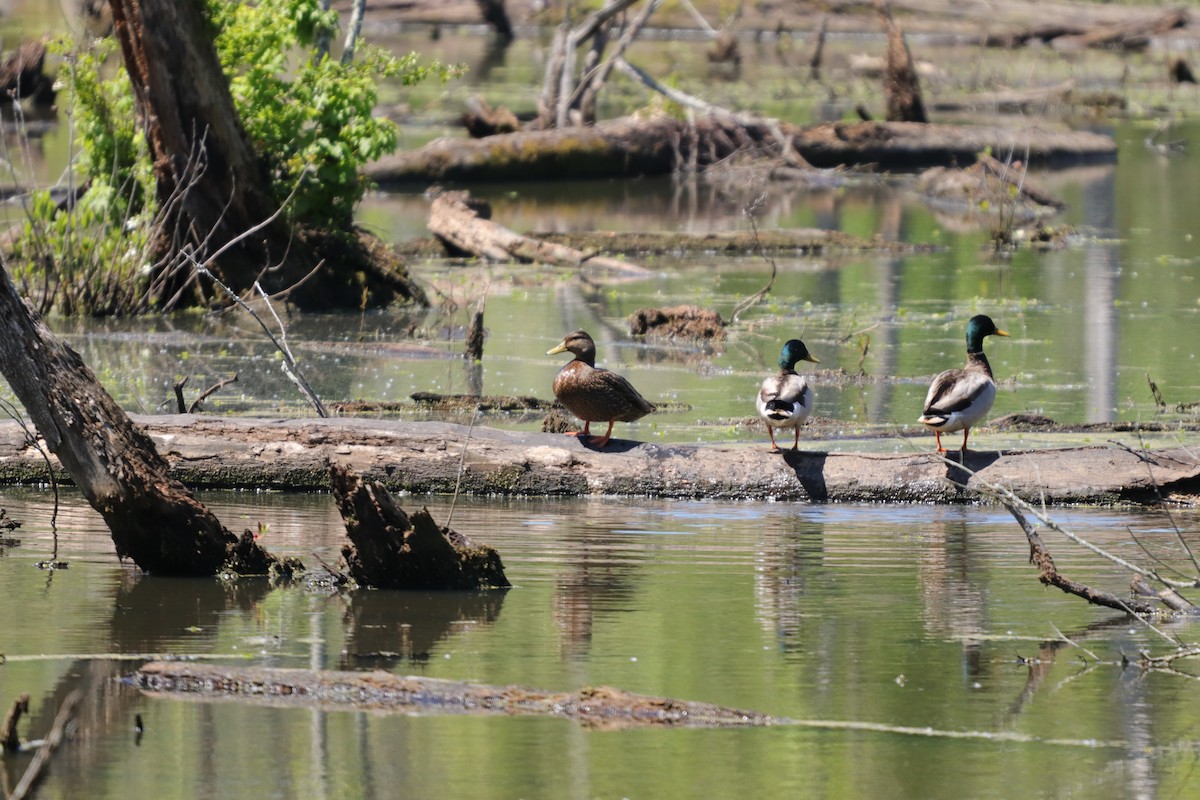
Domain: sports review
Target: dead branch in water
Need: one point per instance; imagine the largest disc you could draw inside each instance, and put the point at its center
(58, 731)
(1039, 555)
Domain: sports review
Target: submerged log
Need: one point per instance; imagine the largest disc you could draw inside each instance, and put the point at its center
(425, 457)
(600, 707)
(389, 549)
(634, 146)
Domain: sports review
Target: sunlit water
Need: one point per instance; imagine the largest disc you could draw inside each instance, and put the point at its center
(914, 617)
(910, 617)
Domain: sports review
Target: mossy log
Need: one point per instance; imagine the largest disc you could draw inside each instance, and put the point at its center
(658, 145)
(377, 691)
(425, 457)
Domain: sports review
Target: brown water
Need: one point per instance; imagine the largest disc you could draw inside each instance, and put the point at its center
(920, 618)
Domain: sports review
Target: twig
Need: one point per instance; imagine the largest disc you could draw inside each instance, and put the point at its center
(289, 365)
(462, 459)
(761, 293)
(216, 387)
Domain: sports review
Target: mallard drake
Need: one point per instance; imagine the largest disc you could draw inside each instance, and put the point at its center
(594, 394)
(958, 398)
(785, 400)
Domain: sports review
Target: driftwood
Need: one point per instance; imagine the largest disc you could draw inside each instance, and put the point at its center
(658, 145)
(383, 692)
(464, 224)
(420, 457)
(389, 549)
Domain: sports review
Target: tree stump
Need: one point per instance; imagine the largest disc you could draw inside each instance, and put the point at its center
(388, 549)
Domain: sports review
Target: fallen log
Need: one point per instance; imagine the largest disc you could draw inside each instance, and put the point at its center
(327, 690)
(425, 457)
(658, 145)
(464, 224)
(1127, 36)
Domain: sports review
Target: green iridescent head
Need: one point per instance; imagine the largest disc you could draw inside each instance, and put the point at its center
(980, 326)
(793, 351)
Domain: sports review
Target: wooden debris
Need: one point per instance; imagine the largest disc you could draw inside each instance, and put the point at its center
(600, 707)
(388, 549)
(989, 187)
(901, 86)
(464, 224)
(1128, 36)
(658, 145)
(481, 120)
(678, 322)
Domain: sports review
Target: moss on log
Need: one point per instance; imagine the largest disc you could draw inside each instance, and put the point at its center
(424, 457)
(600, 707)
(633, 146)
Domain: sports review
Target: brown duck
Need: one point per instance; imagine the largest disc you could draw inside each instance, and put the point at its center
(594, 394)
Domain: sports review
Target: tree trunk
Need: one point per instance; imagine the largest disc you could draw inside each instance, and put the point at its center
(901, 86)
(154, 519)
(211, 185)
(389, 549)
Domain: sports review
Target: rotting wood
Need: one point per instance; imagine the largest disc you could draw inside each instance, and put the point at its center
(600, 707)
(389, 549)
(636, 146)
(686, 322)
(901, 86)
(424, 457)
(464, 224)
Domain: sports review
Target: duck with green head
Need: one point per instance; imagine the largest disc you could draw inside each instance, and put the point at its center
(785, 400)
(958, 398)
(594, 394)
